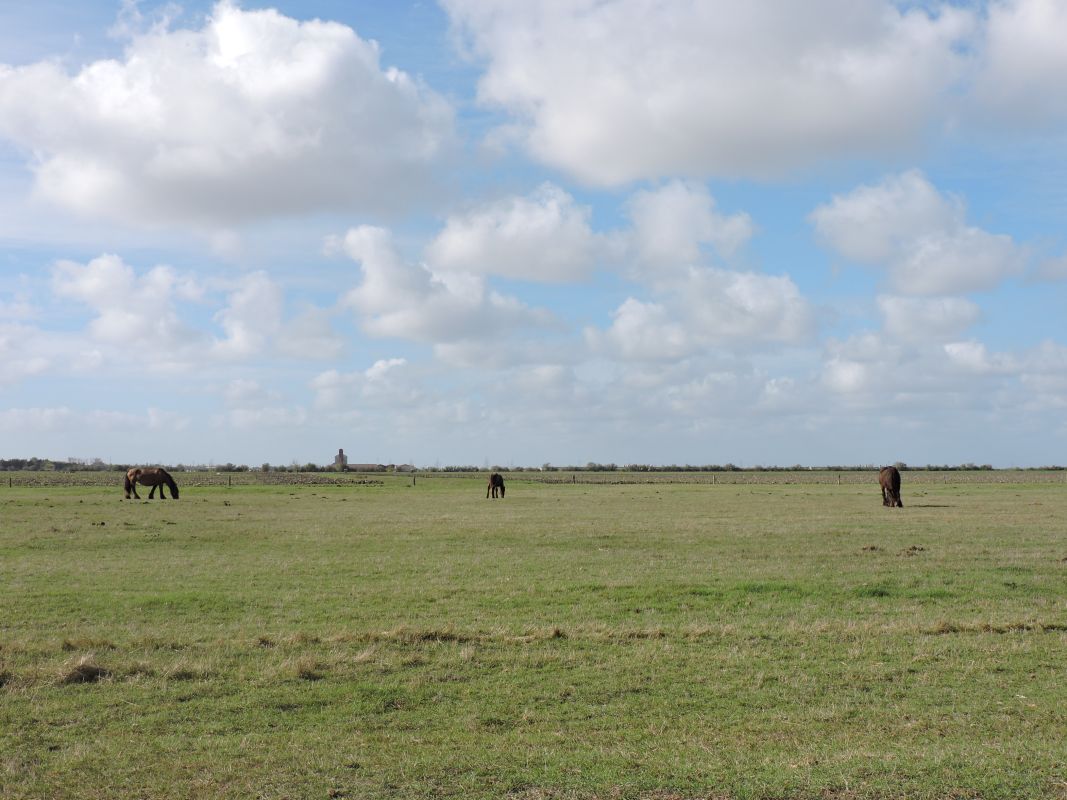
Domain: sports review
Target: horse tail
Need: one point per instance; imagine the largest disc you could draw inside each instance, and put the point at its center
(127, 485)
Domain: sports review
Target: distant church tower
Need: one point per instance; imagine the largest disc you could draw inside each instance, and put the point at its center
(340, 461)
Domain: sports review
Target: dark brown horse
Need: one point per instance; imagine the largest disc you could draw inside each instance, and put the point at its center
(496, 481)
(889, 478)
(156, 477)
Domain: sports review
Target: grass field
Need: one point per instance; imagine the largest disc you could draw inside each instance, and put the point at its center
(630, 640)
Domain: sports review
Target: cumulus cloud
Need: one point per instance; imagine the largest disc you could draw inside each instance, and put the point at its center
(871, 370)
(409, 301)
(544, 236)
(919, 235)
(387, 383)
(155, 311)
(975, 357)
(252, 317)
(266, 418)
(923, 319)
(628, 89)
(63, 418)
(131, 310)
(1044, 374)
(309, 335)
(21, 353)
(1052, 269)
(18, 307)
(1021, 60)
(707, 307)
(673, 222)
(243, 392)
(208, 125)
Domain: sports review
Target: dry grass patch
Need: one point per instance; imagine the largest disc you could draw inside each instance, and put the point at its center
(944, 628)
(187, 672)
(84, 643)
(84, 670)
(306, 668)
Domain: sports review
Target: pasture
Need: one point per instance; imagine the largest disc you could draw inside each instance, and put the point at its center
(645, 639)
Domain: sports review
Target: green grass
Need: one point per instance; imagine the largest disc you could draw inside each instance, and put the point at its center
(572, 641)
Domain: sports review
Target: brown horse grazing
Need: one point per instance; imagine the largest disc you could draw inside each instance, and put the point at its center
(156, 477)
(496, 481)
(889, 478)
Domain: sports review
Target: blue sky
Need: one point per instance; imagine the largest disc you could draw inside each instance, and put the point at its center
(484, 232)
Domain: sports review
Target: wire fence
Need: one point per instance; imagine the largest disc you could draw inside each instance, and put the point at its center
(45, 479)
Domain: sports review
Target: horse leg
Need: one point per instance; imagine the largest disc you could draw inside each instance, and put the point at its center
(152, 493)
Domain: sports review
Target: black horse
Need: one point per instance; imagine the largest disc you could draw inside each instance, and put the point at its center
(496, 481)
(889, 479)
(156, 477)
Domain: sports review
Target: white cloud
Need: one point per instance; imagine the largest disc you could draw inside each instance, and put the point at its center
(19, 307)
(919, 235)
(409, 301)
(922, 319)
(671, 223)
(542, 237)
(871, 370)
(252, 318)
(135, 311)
(1044, 374)
(975, 357)
(252, 406)
(65, 419)
(22, 354)
(704, 308)
(208, 125)
(1052, 269)
(267, 418)
(243, 392)
(1022, 61)
(388, 383)
(310, 336)
(643, 332)
(626, 89)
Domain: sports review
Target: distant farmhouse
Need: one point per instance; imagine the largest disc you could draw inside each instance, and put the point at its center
(340, 463)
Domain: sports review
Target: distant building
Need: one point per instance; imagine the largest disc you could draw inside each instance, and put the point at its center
(340, 461)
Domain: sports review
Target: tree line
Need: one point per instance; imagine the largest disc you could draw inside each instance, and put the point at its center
(96, 464)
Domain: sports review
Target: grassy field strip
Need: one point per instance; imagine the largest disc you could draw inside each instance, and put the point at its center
(573, 641)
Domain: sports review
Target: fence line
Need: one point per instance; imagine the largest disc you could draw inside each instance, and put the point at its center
(256, 478)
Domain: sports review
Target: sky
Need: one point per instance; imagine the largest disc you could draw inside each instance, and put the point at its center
(480, 232)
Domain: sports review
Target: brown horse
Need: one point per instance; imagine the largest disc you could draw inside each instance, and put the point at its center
(889, 479)
(496, 481)
(156, 477)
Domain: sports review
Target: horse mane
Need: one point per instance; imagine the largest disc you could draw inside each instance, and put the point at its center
(171, 484)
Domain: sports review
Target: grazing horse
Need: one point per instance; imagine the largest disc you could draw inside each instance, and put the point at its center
(889, 478)
(496, 481)
(156, 477)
